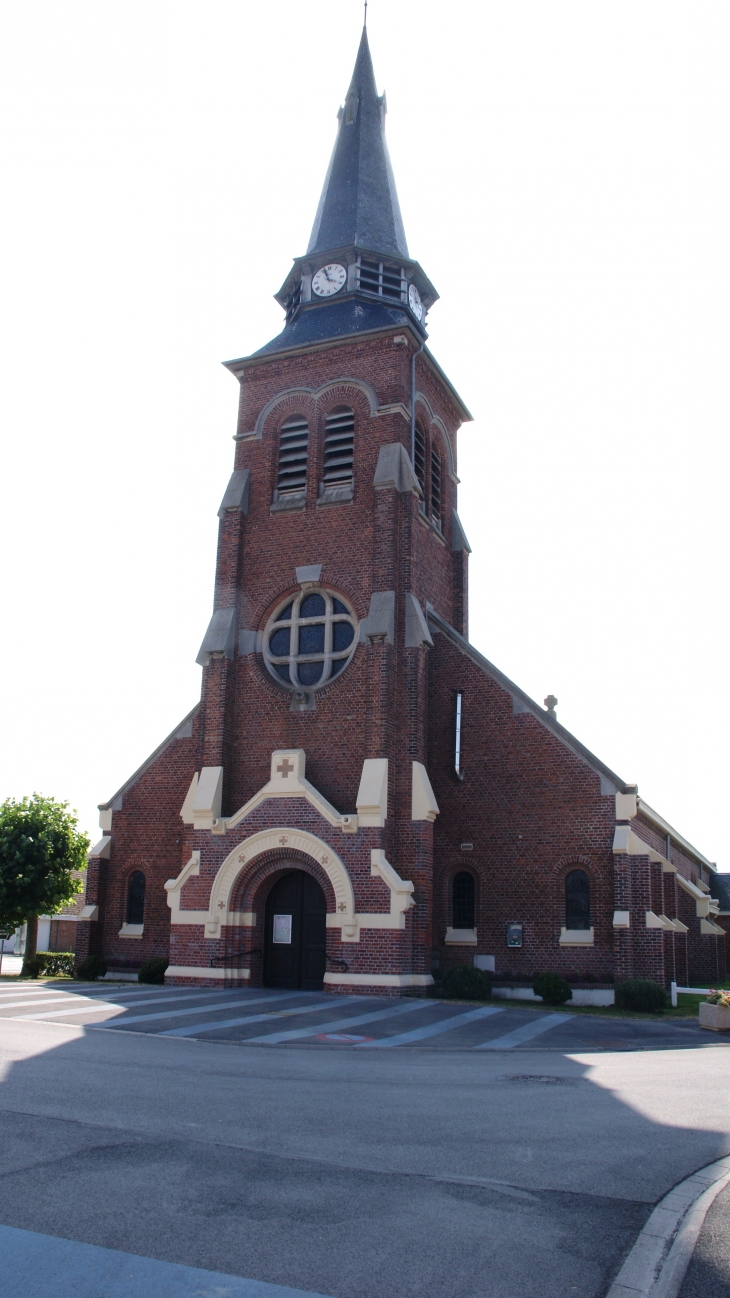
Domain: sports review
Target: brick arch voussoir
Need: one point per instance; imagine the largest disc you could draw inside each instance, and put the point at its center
(577, 861)
(249, 891)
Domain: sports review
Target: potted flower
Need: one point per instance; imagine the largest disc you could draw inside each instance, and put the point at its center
(715, 1011)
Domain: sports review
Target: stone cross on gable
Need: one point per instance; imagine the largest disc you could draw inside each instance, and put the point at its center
(551, 703)
(284, 768)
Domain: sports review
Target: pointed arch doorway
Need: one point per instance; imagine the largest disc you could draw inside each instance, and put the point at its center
(295, 933)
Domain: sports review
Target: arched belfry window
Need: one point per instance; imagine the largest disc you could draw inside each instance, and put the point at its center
(462, 900)
(135, 898)
(577, 900)
(419, 456)
(436, 488)
(293, 453)
(339, 448)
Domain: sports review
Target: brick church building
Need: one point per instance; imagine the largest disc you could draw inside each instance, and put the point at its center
(360, 797)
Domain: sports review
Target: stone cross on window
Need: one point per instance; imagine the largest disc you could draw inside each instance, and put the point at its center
(285, 768)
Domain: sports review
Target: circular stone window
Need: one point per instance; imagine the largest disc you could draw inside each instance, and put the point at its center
(310, 640)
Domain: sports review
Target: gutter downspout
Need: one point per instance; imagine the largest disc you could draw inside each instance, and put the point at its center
(413, 405)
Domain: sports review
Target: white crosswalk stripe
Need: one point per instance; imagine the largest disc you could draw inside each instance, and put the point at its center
(211, 1009)
(274, 1037)
(525, 1033)
(433, 1029)
(321, 1006)
(114, 1003)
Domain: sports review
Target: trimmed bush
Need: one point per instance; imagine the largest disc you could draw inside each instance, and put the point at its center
(153, 971)
(640, 994)
(53, 963)
(91, 968)
(465, 983)
(553, 988)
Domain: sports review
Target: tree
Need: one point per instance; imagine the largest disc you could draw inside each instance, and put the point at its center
(41, 854)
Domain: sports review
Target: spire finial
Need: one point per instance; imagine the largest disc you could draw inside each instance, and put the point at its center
(365, 22)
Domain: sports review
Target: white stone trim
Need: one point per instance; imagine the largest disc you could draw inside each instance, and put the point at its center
(657, 921)
(102, 848)
(199, 971)
(626, 806)
(401, 893)
(576, 936)
(131, 930)
(622, 919)
(626, 842)
(423, 802)
(293, 785)
(707, 926)
(297, 840)
(372, 795)
(461, 937)
(701, 901)
(315, 394)
(378, 980)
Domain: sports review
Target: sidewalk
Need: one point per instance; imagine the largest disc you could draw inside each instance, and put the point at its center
(708, 1275)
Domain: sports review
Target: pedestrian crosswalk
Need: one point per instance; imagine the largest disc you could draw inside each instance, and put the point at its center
(277, 1017)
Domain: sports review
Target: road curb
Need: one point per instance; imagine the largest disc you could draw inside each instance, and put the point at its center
(657, 1264)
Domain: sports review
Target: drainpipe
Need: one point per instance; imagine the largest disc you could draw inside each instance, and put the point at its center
(413, 405)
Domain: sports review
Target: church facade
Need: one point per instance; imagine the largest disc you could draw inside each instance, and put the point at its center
(360, 798)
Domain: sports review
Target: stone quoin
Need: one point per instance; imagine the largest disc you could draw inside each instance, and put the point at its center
(360, 797)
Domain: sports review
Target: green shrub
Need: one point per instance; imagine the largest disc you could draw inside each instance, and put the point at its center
(153, 971)
(54, 963)
(553, 988)
(465, 983)
(91, 968)
(640, 994)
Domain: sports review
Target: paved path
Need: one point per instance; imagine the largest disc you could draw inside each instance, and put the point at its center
(430, 1165)
(318, 1019)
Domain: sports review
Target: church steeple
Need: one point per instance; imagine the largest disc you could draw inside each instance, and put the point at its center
(359, 203)
(356, 275)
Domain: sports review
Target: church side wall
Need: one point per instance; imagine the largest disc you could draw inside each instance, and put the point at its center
(532, 810)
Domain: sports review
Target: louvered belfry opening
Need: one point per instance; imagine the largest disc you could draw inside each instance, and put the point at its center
(339, 448)
(419, 451)
(293, 452)
(382, 278)
(436, 488)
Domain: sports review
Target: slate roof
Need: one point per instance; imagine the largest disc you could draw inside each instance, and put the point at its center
(336, 320)
(359, 203)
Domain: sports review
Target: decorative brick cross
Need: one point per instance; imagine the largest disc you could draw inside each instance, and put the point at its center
(285, 768)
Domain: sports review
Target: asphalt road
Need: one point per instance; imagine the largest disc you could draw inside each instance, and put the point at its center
(708, 1275)
(433, 1166)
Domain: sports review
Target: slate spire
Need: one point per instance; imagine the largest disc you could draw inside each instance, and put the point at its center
(359, 203)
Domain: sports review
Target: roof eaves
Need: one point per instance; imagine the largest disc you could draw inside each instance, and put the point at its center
(660, 823)
(106, 806)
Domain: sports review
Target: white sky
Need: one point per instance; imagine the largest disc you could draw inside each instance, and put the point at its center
(562, 168)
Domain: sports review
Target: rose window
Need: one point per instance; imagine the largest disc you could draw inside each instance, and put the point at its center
(310, 640)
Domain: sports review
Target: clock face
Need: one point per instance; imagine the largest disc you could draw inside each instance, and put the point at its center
(414, 302)
(330, 279)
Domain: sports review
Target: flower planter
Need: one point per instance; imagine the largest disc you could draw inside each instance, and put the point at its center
(715, 1017)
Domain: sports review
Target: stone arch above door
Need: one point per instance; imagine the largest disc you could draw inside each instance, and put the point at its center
(298, 840)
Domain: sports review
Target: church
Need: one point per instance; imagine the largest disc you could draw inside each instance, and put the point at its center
(360, 799)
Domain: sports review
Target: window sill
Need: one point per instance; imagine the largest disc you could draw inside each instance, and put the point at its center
(131, 930)
(461, 937)
(297, 500)
(336, 495)
(576, 937)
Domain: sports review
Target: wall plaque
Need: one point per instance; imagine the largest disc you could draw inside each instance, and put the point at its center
(514, 935)
(282, 930)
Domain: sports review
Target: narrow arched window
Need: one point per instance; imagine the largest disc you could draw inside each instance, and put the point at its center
(462, 909)
(339, 448)
(293, 453)
(577, 900)
(419, 457)
(436, 488)
(135, 898)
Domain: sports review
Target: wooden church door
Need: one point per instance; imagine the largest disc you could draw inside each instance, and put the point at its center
(295, 937)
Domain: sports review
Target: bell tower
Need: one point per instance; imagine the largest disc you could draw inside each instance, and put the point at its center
(338, 536)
